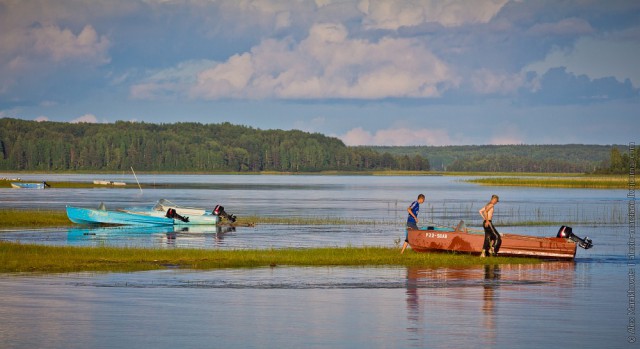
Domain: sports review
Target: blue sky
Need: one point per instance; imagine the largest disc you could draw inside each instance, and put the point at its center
(371, 72)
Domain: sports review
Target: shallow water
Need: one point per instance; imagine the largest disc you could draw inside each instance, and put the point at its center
(579, 304)
(553, 305)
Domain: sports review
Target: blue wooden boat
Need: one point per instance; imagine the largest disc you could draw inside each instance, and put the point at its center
(25, 185)
(100, 216)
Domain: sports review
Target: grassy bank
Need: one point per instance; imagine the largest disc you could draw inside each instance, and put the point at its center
(15, 257)
(15, 218)
(593, 182)
(33, 218)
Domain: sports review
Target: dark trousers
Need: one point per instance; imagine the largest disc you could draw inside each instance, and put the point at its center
(491, 235)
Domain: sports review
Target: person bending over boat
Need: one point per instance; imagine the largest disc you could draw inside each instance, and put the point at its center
(412, 219)
(492, 239)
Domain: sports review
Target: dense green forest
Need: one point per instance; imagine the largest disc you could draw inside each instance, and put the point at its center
(195, 147)
(568, 158)
(56, 146)
(620, 162)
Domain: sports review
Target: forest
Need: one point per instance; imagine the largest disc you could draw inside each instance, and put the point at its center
(549, 158)
(193, 147)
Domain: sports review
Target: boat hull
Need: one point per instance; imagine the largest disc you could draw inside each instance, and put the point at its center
(91, 216)
(432, 240)
(20, 185)
(206, 219)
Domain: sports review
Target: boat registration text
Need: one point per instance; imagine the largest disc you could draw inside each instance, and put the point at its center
(436, 235)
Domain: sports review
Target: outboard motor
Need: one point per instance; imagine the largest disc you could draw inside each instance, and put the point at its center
(567, 233)
(171, 213)
(220, 212)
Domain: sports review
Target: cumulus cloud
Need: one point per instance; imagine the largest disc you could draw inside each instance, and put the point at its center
(393, 14)
(558, 86)
(567, 26)
(51, 43)
(608, 56)
(86, 118)
(328, 64)
(62, 44)
(485, 81)
(41, 118)
(37, 50)
(396, 137)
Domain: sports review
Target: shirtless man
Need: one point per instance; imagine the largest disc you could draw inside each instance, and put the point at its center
(490, 232)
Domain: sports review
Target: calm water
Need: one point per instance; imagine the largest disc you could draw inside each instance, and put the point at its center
(582, 304)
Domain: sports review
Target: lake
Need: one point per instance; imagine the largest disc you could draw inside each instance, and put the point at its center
(555, 304)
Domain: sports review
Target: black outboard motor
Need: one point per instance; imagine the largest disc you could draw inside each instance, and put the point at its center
(219, 211)
(171, 213)
(567, 233)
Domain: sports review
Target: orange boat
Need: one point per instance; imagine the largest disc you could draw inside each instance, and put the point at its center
(459, 239)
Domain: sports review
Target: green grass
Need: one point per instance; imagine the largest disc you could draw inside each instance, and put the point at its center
(33, 218)
(16, 257)
(592, 182)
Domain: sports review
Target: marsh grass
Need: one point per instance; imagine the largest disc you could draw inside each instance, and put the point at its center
(595, 182)
(33, 218)
(16, 257)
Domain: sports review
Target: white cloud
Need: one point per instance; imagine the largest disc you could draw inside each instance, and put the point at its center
(567, 26)
(23, 48)
(86, 118)
(62, 44)
(41, 118)
(485, 81)
(397, 137)
(40, 50)
(393, 14)
(328, 64)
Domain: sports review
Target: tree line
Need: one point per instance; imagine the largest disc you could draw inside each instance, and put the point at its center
(566, 158)
(57, 146)
(619, 162)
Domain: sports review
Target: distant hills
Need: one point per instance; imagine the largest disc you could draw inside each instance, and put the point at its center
(194, 147)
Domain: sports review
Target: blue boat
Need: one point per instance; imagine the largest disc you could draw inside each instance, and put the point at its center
(24, 185)
(100, 216)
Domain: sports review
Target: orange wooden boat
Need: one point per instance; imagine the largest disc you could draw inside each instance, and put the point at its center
(459, 239)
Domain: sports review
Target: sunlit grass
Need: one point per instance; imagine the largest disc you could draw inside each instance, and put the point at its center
(13, 218)
(595, 182)
(16, 257)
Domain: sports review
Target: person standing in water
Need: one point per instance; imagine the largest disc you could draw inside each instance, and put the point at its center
(412, 219)
(492, 239)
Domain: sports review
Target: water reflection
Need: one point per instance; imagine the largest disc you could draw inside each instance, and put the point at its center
(447, 302)
(167, 236)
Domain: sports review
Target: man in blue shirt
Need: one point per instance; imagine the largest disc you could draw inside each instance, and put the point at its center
(412, 219)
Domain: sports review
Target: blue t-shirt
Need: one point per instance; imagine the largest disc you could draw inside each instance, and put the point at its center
(415, 207)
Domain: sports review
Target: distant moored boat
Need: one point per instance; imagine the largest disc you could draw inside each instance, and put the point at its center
(25, 185)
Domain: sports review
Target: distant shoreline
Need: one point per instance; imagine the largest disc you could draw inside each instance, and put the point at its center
(517, 179)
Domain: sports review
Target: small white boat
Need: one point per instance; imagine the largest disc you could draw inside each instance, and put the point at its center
(100, 182)
(184, 215)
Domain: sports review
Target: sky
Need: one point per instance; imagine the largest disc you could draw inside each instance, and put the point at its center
(370, 72)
